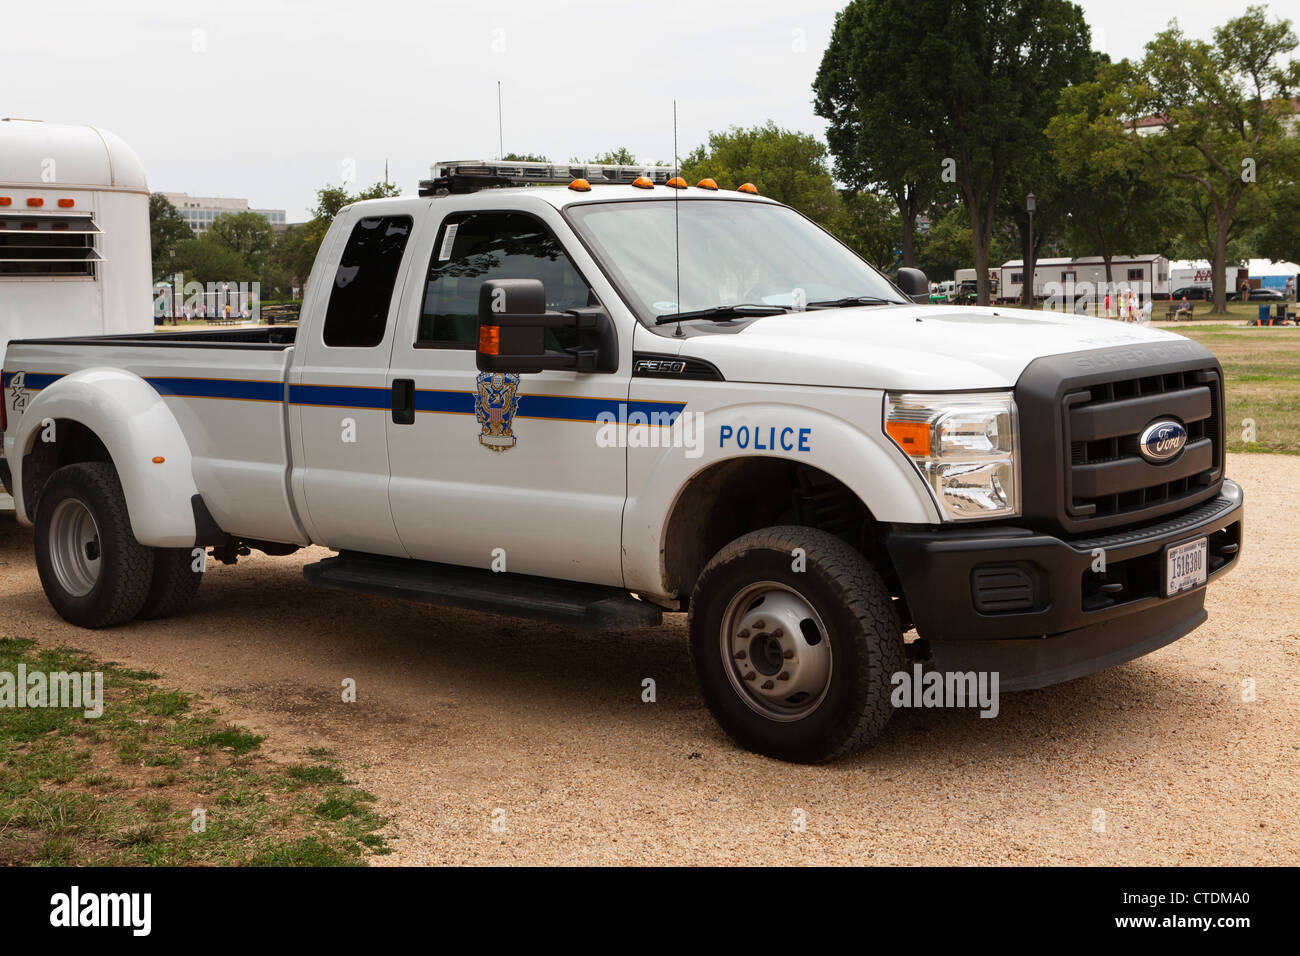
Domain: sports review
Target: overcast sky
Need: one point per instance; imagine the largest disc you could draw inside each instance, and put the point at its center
(271, 99)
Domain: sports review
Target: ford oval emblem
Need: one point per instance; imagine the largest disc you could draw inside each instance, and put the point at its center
(1162, 440)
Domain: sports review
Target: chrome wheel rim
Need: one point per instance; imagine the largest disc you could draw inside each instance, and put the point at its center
(776, 651)
(75, 550)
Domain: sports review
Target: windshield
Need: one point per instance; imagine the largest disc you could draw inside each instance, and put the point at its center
(732, 253)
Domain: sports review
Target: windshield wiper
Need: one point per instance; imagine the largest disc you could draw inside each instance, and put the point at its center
(849, 301)
(721, 313)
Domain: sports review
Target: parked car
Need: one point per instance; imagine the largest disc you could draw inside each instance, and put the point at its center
(1260, 295)
(495, 399)
(1192, 292)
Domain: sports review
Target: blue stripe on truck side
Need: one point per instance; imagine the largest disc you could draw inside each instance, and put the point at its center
(239, 389)
(568, 408)
(341, 396)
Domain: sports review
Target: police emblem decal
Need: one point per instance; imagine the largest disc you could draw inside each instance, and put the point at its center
(496, 403)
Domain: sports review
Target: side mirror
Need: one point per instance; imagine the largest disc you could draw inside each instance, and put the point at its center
(914, 284)
(512, 326)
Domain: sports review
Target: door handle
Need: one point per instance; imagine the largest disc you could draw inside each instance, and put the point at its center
(403, 401)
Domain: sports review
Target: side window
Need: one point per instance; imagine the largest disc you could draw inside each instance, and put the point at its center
(363, 284)
(474, 247)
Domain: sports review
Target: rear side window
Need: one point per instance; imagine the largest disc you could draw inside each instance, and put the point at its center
(475, 247)
(363, 284)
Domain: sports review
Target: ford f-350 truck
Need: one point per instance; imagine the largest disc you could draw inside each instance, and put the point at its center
(596, 402)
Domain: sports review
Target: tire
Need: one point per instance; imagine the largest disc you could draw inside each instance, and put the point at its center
(95, 574)
(813, 696)
(174, 583)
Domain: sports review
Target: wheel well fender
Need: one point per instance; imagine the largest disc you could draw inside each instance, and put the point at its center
(106, 414)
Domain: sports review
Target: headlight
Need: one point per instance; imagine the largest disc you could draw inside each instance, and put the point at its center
(964, 446)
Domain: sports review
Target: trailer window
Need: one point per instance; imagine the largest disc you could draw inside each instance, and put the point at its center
(363, 284)
(1135, 275)
(54, 246)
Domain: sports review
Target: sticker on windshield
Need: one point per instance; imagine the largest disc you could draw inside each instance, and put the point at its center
(448, 240)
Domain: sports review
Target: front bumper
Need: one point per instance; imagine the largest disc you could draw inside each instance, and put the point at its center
(1031, 606)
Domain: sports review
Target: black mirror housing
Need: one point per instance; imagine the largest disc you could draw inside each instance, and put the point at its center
(914, 284)
(512, 325)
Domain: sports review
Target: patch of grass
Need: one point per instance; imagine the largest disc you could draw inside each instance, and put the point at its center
(78, 791)
(308, 851)
(1261, 368)
(315, 773)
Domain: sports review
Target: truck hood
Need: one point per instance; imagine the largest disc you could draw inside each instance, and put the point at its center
(922, 347)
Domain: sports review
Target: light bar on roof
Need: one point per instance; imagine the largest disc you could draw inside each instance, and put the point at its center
(468, 175)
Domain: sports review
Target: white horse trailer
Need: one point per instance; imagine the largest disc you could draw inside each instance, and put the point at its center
(1069, 279)
(74, 235)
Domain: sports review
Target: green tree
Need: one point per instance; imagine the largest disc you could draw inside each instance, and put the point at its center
(870, 225)
(1278, 237)
(1115, 208)
(524, 158)
(879, 132)
(248, 234)
(167, 228)
(619, 156)
(947, 246)
(788, 166)
(1223, 110)
(205, 260)
(976, 87)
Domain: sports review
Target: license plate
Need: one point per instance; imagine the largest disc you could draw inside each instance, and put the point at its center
(1185, 566)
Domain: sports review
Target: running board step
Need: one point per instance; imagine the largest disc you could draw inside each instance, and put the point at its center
(515, 595)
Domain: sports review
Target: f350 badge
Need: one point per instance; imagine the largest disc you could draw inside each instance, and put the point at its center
(495, 406)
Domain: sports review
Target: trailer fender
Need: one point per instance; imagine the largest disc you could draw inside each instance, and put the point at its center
(143, 439)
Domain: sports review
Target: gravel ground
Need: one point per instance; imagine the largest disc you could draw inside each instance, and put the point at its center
(465, 719)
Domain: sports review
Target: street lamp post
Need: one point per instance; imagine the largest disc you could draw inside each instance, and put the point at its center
(1030, 202)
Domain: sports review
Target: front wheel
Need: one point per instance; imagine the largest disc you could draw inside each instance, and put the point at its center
(94, 572)
(795, 638)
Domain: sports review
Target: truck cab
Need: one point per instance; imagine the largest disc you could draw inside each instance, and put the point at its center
(597, 394)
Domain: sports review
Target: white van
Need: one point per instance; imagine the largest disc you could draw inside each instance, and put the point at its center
(74, 235)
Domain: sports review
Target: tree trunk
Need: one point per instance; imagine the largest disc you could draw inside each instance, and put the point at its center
(980, 241)
(1218, 268)
(906, 200)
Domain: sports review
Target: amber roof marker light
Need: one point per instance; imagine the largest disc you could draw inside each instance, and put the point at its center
(641, 182)
(580, 186)
(676, 183)
(707, 184)
(747, 188)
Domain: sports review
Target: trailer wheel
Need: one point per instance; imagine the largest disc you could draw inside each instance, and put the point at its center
(94, 572)
(795, 659)
(174, 584)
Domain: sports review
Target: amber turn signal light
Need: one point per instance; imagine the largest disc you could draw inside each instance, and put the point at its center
(912, 437)
(489, 339)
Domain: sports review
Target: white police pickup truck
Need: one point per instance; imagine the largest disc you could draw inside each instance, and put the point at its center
(594, 403)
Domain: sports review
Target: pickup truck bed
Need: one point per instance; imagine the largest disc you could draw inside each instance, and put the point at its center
(240, 451)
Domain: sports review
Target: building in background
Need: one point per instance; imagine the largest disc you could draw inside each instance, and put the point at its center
(200, 211)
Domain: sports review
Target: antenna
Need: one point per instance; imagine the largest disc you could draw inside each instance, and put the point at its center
(677, 226)
(501, 140)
